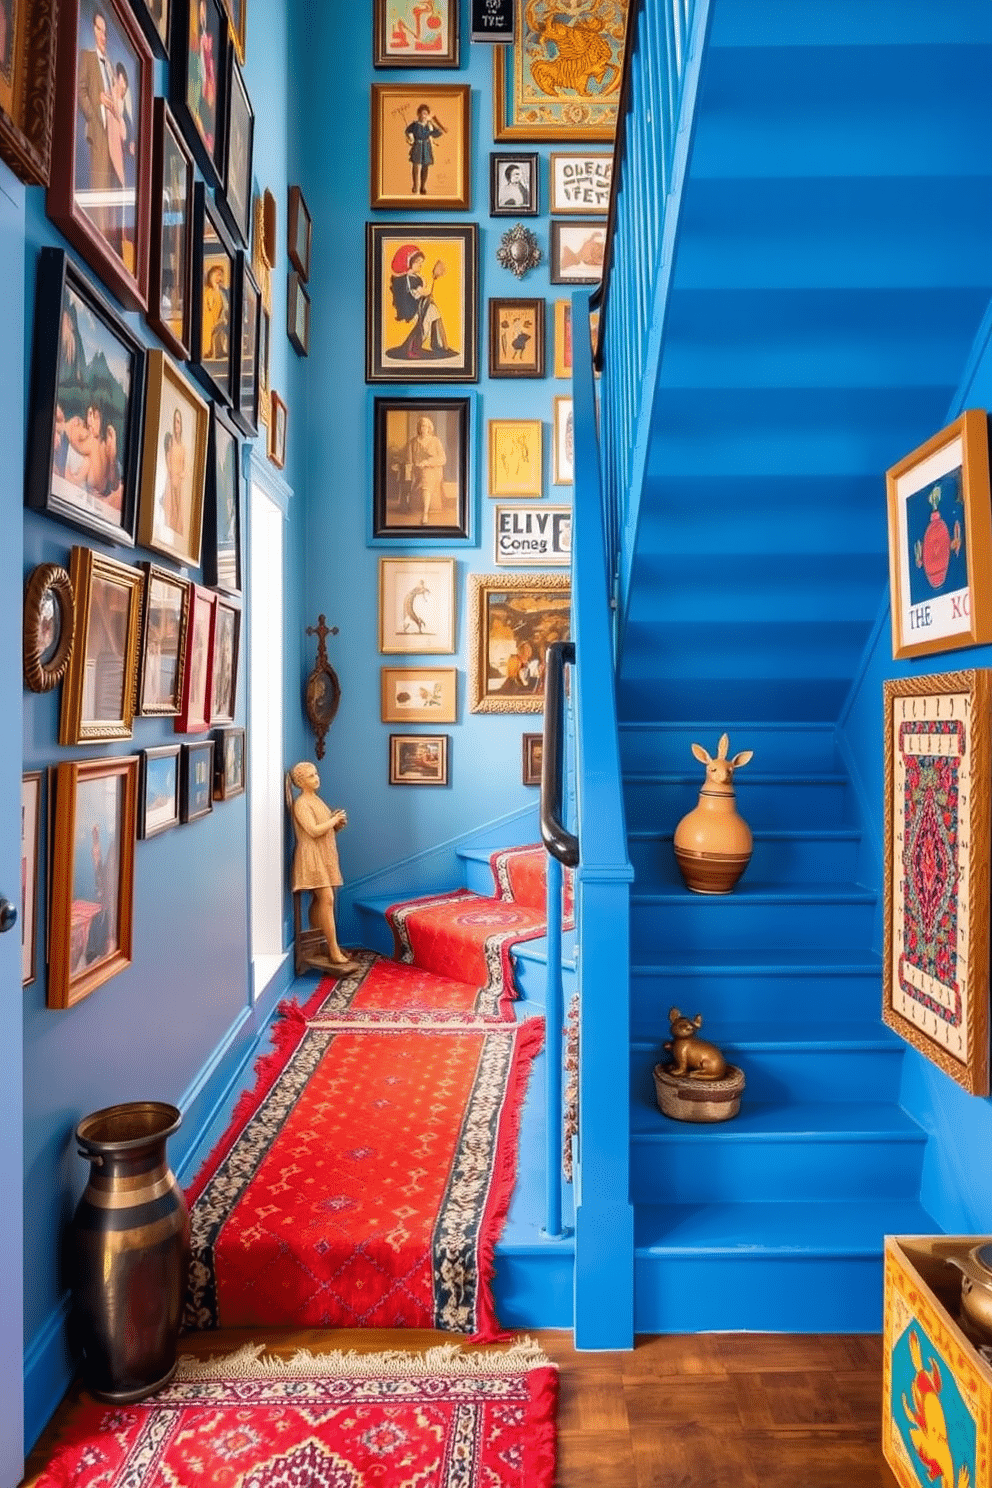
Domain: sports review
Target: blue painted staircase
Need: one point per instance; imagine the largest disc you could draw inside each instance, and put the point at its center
(828, 274)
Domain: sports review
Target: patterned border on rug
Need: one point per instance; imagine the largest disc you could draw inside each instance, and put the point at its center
(384, 991)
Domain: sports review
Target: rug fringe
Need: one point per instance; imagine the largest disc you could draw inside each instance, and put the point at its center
(251, 1361)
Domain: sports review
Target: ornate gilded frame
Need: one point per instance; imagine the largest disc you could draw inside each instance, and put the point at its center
(539, 93)
(27, 117)
(532, 608)
(48, 605)
(95, 579)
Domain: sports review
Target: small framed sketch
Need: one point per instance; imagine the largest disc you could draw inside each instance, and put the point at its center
(199, 71)
(100, 683)
(222, 527)
(92, 888)
(249, 321)
(299, 228)
(229, 763)
(513, 185)
(516, 338)
(278, 423)
(421, 297)
(224, 661)
(563, 461)
(194, 714)
(215, 265)
(417, 605)
(31, 791)
(158, 793)
(577, 251)
(297, 314)
(580, 184)
(410, 33)
(938, 828)
(49, 626)
(170, 282)
(940, 541)
(236, 199)
(196, 780)
(87, 397)
(418, 759)
(513, 619)
(421, 144)
(100, 190)
(164, 619)
(515, 460)
(533, 536)
(419, 694)
(533, 754)
(177, 420)
(420, 468)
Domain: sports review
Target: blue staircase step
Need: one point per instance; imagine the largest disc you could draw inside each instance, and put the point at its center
(791, 696)
(782, 746)
(810, 915)
(477, 873)
(660, 799)
(764, 983)
(885, 23)
(770, 587)
(824, 855)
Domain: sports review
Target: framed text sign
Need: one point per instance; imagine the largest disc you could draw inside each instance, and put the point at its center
(492, 20)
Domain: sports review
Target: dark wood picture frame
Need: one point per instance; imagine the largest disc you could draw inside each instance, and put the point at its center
(222, 523)
(532, 748)
(92, 893)
(587, 267)
(406, 474)
(299, 233)
(508, 198)
(413, 43)
(408, 337)
(164, 621)
(230, 773)
(196, 781)
(98, 694)
(108, 220)
(83, 387)
(195, 56)
(27, 103)
(235, 201)
(49, 625)
(418, 759)
(224, 655)
(247, 382)
(516, 337)
(154, 17)
(194, 708)
(155, 776)
(170, 279)
(297, 315)
(214, 300)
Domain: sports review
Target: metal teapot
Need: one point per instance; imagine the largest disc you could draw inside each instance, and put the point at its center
(976, 1287)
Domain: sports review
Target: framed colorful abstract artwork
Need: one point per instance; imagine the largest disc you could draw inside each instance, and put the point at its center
(415, 33)
(421, 296)
(938, 807)
(940, 541)
(560, 80)
(421, 143)
(513, 619)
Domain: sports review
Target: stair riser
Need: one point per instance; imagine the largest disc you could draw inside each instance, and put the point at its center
(827, 1002)
(800, 1073)
(376, 934)
(530, 980)
(705, 922)
(659, 805)
(533, 1291)
(702, 1169)
(779, 750)
(779, 860)
(792, 1294)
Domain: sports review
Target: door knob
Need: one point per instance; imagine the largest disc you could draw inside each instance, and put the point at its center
(8, 916)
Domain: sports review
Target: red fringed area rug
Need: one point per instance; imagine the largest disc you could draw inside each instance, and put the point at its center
(365, 1179)
(443, 1419)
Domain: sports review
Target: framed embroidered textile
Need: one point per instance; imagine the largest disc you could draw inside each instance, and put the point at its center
(935, 974)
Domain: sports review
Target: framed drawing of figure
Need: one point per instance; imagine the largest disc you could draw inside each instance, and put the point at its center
(199, 75)
(214, 321)
(415, 33)
(420, 481)
(421, 142)
(100, 192)
(516, 338)
(87, 393)
(27, 87)
(421, 295)
(170, 286)
(170, 520)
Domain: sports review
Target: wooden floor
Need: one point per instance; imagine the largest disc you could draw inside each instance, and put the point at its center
(709, 1411)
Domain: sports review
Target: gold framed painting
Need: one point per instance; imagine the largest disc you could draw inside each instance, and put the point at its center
(98, 693)
(563, 450)
(532, 756)
(177, 422)
(515, 457)
(417, 605)
(421, 142)
(940, 541)
(27, 87)
(419, 694)
(938, 808)
(415, 33)
(418, 759)
(165, 616)
(560, 80)
(421, 296)
(513, 619)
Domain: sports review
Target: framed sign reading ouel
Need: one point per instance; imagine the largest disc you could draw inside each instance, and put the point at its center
(938, 806)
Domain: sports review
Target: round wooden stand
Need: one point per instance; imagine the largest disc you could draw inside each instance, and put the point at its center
(685, 1099)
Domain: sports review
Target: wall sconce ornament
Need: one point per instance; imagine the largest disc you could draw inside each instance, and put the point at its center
(698, 1084)
(322, 690)
(519, 250)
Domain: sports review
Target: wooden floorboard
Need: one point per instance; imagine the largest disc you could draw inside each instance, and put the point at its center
(738, 1410)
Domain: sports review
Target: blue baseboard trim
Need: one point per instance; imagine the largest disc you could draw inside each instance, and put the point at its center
(49, 1368)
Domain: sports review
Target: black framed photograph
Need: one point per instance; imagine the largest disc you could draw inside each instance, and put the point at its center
(229, 763)
(533, 754)
(99, 195)
(154, 17)
(237, 11)
(87, 400)
(299, 233)
(236, 199)
(196, 780)
(297, 315)
(222, 535)
(247, 381)
(164, 618)
(420, 468)
(421, 302)
(198, 80)
(516, 338)
(158, 790)
(215, 265)
(418, 759)
(170, 279)
(514, 185)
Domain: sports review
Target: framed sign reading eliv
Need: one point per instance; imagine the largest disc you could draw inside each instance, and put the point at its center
(938, 806)
(940, 541)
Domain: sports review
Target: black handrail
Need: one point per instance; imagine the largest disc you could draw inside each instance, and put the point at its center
(556, 838)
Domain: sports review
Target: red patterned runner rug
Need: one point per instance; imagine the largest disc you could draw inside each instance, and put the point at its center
(366, 1178)
(396, 991)
(521, 874)
(443, 1419)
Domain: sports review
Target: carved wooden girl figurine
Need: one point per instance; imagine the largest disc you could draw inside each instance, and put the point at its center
(315, 861)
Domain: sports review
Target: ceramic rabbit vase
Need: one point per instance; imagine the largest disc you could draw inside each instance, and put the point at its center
(713, 843)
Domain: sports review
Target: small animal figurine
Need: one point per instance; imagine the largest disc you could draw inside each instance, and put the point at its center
(692, 1056)
(712, 842)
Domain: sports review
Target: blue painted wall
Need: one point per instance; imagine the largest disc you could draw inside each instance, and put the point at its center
(957, 1180)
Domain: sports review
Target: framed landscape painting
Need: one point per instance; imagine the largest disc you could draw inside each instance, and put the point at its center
(513, 619)
(415, 33)
(560, 79)
(421, 295)
(418, 759)
(938, 843)
(158, 795)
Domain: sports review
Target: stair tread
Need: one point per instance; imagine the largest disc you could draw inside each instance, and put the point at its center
(755, 777)
(729, 1034)
(765, 893)
(818, 1121)
(766, 960)
(762, 834)
(777, 1227)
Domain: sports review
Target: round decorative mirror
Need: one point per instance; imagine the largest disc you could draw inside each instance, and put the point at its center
(49, 622)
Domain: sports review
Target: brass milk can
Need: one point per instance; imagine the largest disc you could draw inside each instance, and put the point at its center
(130, 1250)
